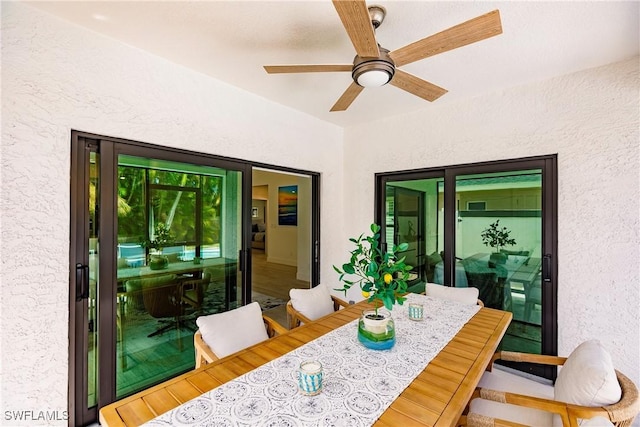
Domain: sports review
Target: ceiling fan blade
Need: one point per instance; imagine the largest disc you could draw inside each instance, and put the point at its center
(417, 86)
(474, 30)
(276, 69)
(355, 19)
(347, 97)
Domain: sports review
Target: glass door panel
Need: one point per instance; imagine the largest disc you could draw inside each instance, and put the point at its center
(94, 276)
(498, 246)
(413, 214)
(179, 239)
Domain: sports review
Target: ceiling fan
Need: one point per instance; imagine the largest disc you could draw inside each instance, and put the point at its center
(375, 66)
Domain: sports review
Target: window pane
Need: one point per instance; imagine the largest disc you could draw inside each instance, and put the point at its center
(498, 248)
(414, 215)
(94, 264)
(175, 262)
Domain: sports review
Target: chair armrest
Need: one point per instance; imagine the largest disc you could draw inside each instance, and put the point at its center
(273, 328)
(204, 354)
(512, 356)
(620, 413)
(556, 407)
(295, 317)
(337, 303)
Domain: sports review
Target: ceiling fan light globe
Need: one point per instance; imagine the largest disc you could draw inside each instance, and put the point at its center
(373, 78)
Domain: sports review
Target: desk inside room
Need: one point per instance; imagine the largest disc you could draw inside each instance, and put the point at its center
(220, 269)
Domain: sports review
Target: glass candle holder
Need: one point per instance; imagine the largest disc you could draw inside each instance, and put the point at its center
(416, 311)
(310, 377)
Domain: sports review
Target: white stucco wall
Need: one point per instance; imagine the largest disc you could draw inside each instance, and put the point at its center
(591, 120)
(57, 77)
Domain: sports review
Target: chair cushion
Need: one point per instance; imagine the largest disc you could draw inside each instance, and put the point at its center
(588, 377)
(234, 330)
(504, 381)
(464, 295)
(313, 303)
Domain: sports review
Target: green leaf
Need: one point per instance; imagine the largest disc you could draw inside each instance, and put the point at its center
(388, 302)
(403, 247)
(372, 267)
(348, 268)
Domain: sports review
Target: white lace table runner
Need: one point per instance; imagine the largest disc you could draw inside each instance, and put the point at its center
(359, 384)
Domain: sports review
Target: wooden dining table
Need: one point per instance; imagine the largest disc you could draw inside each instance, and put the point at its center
(437, 396)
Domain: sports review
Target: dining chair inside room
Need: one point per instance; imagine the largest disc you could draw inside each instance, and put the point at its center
(588, 391)
(195, 290)
(307, 305)
(467, 296)
(222, 334)
(162, 299)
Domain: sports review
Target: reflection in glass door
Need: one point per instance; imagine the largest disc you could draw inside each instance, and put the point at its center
(491, 226)
(413, 215)
(499, 246)
(178, 243)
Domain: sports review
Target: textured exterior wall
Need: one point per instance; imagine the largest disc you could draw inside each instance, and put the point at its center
(57, 77)
(591, 120)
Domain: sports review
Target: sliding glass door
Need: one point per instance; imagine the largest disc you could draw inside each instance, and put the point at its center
(490, 226)
(158, 239)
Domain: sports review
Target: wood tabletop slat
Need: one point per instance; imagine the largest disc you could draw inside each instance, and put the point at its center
(454, 363)
(431, 390)
(408, 409)
(436, 397)
(161, 401)
(460, 349)
(135, 413)
(203, 381)
(418, 398)
(184, 391)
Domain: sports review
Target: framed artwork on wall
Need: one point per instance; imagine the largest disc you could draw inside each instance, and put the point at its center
(254, 212)
(288, 205)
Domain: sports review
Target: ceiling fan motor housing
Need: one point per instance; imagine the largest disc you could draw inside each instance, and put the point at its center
(380, 65)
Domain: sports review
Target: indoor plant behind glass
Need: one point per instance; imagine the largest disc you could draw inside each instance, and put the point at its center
(497, 238)
(161, 238)
(382, 278)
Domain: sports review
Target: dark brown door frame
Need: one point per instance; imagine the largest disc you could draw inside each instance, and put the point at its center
(109, 149)
(548, 164)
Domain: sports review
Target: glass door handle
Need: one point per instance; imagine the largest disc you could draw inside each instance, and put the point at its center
(546, 268)
(242, 259)
(82, 282)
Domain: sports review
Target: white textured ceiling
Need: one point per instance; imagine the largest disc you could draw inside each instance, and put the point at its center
(232, 40)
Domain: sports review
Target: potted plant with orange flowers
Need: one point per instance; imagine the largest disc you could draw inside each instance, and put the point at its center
(382, 277)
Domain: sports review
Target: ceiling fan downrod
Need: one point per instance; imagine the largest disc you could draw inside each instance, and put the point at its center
(377, 14)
